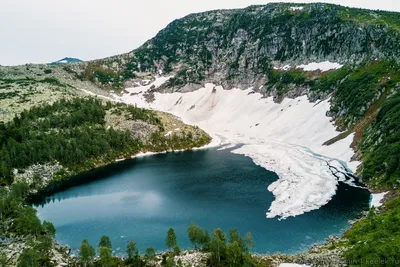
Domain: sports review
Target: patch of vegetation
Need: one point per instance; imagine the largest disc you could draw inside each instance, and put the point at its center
(381, 147)
(103, 77)
(70, 132)
(184, 140)
(329, 80)
(354, 89)
(8, 95)
(30, 81)
(375, 240)
(146, 115)
(281, 81)
(20, 219)
(74, 134)
(185, 76)
(293, 76)
(361, 88)
(231, 251)
(364, 16)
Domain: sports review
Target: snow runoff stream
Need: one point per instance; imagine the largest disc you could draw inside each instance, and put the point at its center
(285, 138)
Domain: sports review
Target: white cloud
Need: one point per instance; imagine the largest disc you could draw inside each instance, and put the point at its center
(47, 30)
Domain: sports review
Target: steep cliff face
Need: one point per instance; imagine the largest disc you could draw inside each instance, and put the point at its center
(239, 47)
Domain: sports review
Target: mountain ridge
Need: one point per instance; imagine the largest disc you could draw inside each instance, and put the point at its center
(66, 60)
(170, 54)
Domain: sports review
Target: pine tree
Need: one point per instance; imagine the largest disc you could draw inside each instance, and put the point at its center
(170, 240)
(28, 258)
(131, 249)
(105, 242)
(250, 241)
(150, 254)
(86, 252)
(233, 254)
(105, 256)
(217, 245)
(195, 234)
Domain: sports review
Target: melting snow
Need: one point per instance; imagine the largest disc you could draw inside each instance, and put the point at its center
(376, 199)
(286, 67)
(322, 66)
(296, 8)
(285, 138)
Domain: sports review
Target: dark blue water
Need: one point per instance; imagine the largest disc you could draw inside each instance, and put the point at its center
(141, 198)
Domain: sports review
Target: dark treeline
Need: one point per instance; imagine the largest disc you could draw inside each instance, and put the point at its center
(233, 250)
(70, 132)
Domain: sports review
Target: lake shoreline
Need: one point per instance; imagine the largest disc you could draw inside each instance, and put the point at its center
(70, 181)
(126, 180)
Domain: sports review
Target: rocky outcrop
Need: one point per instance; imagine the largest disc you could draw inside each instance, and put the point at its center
(13, 246)
(328, 254)
(38, 175)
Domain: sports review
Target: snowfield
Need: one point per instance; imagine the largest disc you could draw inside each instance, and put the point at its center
(285, 138)
(322, 66)
(313, 66)
(377, 199)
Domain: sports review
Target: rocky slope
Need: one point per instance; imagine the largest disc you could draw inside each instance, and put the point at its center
(239, 47)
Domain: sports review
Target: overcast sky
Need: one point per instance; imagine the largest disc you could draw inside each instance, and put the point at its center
(41, 31)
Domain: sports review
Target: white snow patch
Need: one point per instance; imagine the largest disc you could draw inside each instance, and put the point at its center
(226, 146)
(141, 154)
(305, 183)
(296, 8)
(286, 67)
(285, 138)
(376, 199)
(322, 66)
